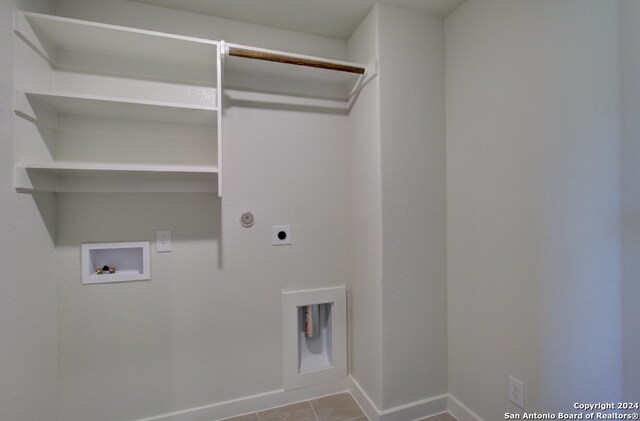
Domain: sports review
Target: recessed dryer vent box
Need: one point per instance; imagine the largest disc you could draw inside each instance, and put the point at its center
(130, 261)
(315, 345)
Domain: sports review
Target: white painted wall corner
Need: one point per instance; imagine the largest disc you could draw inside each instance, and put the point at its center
(461, 411)
(407, 412)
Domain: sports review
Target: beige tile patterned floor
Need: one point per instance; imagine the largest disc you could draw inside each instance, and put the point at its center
(340, 407)
(445, 416)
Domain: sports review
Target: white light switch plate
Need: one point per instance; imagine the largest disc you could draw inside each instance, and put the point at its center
(163, 241)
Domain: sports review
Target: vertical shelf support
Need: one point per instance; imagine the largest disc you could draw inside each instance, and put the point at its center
(222, 50)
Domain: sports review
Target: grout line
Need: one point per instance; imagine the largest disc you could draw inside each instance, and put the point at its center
(313, 410)
(443, 413)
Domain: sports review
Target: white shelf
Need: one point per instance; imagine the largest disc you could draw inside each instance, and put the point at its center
(255, 80)
(115, 72)
(50, 34)
(72, 177)
(100, 168)
(241, 64)
(96, 105)
(131, 80)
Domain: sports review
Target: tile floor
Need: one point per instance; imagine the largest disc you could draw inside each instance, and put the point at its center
(445, 416)
(340, 407)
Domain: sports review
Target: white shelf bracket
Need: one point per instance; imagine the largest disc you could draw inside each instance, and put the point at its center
(25, 181)
(23, 30)
(34, 111)
(224, 48)
(371, 71)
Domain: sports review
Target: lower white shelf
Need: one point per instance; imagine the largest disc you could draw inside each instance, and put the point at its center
(105, 106)
(72, 177)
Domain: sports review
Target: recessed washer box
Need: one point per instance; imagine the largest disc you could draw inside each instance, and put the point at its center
(130, 259)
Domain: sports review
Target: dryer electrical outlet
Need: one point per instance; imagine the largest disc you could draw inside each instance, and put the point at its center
(281, 235)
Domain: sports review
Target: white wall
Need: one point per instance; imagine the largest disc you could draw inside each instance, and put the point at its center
(27, 259)
(365, 236)
(411, 51)
(533, 184)
(398, 236)
(630, 90)
(207, 327)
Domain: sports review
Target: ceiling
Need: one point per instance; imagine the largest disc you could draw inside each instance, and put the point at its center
(329, 18)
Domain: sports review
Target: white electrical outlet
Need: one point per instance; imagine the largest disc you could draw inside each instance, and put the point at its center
(516, 391)
(163, 241)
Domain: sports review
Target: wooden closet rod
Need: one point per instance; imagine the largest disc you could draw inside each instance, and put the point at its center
(279, 58)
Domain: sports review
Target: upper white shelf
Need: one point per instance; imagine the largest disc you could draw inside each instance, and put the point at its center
(50, 34)
(96, 105)
(254, 59)
(275, 72)
(338, 70)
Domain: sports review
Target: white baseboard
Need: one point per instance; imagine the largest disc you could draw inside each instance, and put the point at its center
(407, 412)
(249, 404)
(460, 411)
(366, 404)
